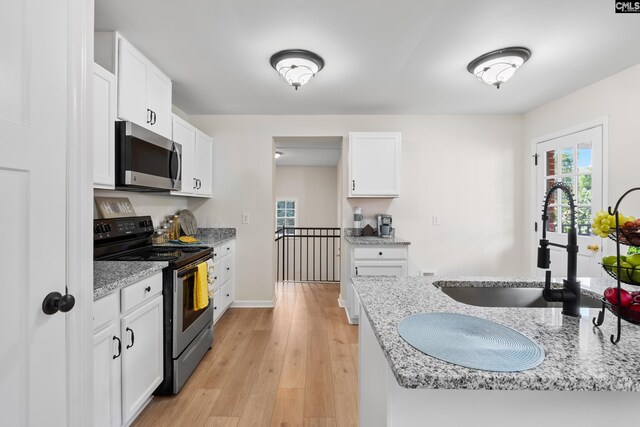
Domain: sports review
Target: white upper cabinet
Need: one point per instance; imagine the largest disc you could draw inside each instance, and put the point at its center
(197, 158)
(185, 135)
(374, 164)
(104, 117)
(159, 101)
(204, 160)
(144, 92)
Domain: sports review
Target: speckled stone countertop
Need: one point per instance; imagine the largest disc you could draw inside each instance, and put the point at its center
(579, 356)
(375, 241)
(209, 237)
(109, 276)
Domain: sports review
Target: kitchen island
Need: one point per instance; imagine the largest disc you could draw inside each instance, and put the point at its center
(584, 379)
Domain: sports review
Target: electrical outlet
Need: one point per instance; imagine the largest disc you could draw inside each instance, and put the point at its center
(435, 220)
(245, 218)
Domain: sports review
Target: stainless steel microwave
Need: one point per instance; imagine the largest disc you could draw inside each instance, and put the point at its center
(146, 161)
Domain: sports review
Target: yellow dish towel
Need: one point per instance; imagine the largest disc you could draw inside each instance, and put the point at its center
(201, 288)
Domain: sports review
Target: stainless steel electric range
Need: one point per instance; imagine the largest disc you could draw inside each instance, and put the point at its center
(188, 333)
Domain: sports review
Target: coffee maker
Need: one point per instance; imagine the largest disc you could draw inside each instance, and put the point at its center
(384, 226)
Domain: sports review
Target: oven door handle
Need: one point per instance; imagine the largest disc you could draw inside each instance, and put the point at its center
(189, 271)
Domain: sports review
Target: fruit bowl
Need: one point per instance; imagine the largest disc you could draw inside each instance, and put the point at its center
(629, 236)
(631, 313)
(630, 276)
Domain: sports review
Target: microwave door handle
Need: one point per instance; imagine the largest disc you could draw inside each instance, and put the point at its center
(174, 153)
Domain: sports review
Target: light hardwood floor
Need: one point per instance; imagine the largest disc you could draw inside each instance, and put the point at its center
(292, 365)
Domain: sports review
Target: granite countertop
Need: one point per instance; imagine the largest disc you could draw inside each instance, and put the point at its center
(109, 276)
(209, 237)
(579, 356)
(375, 241)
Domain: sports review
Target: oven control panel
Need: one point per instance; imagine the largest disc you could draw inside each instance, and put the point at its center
(117, 227)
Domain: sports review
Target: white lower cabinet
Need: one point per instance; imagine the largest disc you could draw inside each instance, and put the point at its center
(384, 260)
(107, 352)
(224, 278)
(127, 351)
(141, 333)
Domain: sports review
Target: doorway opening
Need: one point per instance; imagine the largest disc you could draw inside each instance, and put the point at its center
(307, 208)
(576, 158)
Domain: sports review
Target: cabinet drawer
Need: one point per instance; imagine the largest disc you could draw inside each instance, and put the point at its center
(382, 269)
(225, 295)
(380, 252)
(140, 292)
(227, 248)
(105, 310)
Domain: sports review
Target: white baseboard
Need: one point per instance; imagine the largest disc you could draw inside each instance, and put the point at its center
(254, 303)
(340, 302)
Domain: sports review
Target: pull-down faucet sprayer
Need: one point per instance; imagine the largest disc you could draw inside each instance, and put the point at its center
(569, 295)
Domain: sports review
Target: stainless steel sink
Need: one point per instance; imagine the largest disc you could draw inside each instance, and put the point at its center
(509, 297)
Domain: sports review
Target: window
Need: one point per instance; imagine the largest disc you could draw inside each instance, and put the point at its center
(571, 165)
(286, 214)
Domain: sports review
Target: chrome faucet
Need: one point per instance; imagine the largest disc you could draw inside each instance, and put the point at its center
(569, 295)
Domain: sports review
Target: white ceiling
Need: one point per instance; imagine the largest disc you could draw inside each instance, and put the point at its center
(308, 151)
(382, 57)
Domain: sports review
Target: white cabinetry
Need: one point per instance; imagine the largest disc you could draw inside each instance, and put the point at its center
(204, 159)
(128, 358)
(383, 260)
(374, 164)
(224, 278)
(104, 117)
(197, 158)
(144, 92)
(141, 332)
(107, 351)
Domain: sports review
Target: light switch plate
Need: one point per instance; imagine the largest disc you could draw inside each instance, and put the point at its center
(435, 220)
(245, 218)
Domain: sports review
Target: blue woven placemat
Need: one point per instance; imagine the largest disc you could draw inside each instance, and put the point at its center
(471, 342)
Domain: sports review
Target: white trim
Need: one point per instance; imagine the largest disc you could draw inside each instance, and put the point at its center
(79, 239)
(340, 302)
(604, 123)
(254, 303)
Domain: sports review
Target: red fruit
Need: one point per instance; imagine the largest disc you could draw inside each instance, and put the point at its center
(635, 293)
(633, 312)
(611, 294)
(636, 299)
(629, 224)
(638, 222)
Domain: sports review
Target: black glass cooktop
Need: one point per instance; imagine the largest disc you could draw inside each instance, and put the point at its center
(155, 253)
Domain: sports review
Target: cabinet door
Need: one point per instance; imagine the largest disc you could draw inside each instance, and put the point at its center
(104, 117)
(132, 85)
(141, 332)
(185, 134)
(374, 164)
(159, 101)
(204, 160)
(106, 377)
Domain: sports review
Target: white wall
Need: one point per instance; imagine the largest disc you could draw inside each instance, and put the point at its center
(466, 169)
(315, 188)
(618, 99)
(155, 205)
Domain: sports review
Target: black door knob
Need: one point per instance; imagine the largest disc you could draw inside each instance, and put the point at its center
(55, 302)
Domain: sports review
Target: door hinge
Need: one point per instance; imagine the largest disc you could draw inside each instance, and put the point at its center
(535, 159)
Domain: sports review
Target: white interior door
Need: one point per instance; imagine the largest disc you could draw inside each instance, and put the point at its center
(33, 140)
(576, 160)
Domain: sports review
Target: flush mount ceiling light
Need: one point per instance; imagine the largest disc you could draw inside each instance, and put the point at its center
(296, 66)
(278, 154)
(495, 68)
